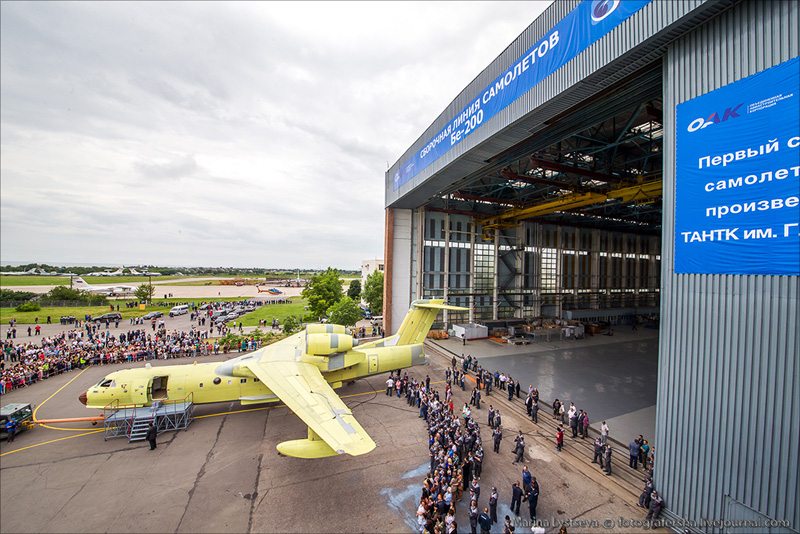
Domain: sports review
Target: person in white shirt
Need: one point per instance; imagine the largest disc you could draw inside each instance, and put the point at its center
(389, 386)
(603, 433)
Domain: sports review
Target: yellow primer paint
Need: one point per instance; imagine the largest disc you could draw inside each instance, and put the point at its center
(302, 370)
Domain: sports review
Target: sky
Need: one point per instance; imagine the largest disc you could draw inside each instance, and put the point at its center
(253, 134)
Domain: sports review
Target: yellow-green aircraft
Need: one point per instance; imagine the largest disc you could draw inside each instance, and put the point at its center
(301, 371)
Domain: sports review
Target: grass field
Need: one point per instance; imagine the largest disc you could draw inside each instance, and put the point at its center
(276, 311)
(80, 312)
(11, 281)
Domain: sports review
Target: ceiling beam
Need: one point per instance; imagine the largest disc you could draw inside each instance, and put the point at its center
(508, 175)
(492, 200)
(569, 169)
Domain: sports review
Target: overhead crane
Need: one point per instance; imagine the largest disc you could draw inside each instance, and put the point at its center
(641, 193)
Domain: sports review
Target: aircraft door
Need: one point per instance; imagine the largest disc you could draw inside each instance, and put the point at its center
(373, 363)
(141, 391)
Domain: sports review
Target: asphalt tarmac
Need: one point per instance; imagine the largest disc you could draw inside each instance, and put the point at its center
(224, 474)
(613, 378)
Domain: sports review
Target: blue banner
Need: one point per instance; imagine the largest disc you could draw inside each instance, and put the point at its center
(582, 27)
(737, 184)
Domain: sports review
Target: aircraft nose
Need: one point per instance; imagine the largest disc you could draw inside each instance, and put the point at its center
(82, 398)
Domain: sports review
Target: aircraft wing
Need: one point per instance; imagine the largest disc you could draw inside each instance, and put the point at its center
(332, 427)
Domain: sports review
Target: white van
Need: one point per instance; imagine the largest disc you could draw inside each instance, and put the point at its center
(179, 310)
(377, 321)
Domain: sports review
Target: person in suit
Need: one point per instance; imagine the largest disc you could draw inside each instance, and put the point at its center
(151, 435)
(516, 497)
(533, 498)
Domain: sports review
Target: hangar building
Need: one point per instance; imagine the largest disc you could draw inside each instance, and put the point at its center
(620, 156)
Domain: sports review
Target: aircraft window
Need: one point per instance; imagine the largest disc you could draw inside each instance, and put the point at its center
(106, 383)
(243, 381)
(256, 380)
(217, 380)
(201, 384)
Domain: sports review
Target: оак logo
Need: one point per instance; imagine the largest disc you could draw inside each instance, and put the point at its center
(700, 123)
(603, 8)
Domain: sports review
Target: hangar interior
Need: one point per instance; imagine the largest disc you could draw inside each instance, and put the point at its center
(567, 219)
(565, 199)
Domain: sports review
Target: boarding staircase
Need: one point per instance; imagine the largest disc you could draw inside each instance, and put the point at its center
(132, 422)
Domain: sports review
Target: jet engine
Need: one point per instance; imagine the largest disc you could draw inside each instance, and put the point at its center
(327, 344)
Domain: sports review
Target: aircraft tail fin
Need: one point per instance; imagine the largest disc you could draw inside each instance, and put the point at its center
(419, 320)
(80, 283)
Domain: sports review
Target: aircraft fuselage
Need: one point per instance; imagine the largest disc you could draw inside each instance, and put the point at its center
(228, 381)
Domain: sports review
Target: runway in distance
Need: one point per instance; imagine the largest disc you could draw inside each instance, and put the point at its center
(80, 283)
(301, 371)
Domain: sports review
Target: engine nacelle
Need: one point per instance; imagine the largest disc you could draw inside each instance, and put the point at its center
(327, 329)
(326, 344)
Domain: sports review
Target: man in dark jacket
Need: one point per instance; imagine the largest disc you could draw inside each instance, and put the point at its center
(151, 436)
(485, 521)
(533, 498)
(516, 497)
(493, 505)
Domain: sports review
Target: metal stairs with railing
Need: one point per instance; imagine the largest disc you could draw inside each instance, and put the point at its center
(132, 421)
(139, 426)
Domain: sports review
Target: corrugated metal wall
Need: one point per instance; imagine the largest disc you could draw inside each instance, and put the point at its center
(728, 414)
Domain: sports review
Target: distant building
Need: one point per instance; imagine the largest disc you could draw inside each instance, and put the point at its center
(367, 268)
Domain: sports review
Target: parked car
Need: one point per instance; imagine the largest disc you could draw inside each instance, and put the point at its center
(205, 307)
(110, 317)
(153, 315)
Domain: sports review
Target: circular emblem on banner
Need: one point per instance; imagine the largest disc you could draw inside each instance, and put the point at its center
(603, 8)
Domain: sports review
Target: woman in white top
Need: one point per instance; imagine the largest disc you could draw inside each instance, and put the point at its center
(421, 515)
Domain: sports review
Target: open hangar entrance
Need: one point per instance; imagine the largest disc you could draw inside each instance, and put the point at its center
(555, 206)
(566, 223)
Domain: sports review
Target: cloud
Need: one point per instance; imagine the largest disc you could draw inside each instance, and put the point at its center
(236, 133)
(180, 167)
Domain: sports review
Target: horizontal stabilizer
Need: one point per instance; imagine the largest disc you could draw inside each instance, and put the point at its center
(437, 306)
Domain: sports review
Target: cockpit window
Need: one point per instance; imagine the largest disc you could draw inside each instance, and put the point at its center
(106, 383)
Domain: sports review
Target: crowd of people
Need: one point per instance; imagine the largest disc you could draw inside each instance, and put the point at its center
(27, 363)
(577, 419)
(457, 458)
